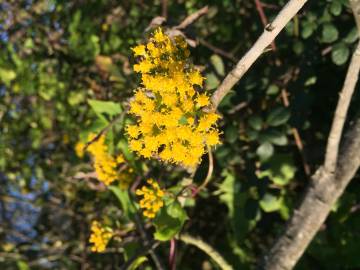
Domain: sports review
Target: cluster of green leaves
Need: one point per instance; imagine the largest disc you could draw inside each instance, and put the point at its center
(65, 72)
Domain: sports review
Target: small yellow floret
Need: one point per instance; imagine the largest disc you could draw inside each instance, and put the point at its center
(152, 200)
(139, 50)
(100, 237)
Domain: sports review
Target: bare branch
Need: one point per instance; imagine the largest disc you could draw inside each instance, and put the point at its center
(341, 111)
(269, 34)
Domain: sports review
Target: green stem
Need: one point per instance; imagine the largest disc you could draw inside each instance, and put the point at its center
(210, 251)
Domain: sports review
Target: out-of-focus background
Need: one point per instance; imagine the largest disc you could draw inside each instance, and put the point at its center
(57, 55)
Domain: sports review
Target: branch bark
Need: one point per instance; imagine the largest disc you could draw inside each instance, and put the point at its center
(270, 33)
(341, 111)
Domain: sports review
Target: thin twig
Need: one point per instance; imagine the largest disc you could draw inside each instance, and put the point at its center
(164, 8)
(217, 50)
(269, 34)
(209, 173)
(296, 135)
(210, 251)
(191, 18)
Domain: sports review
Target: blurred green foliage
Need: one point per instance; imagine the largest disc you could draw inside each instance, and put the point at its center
(65, 71)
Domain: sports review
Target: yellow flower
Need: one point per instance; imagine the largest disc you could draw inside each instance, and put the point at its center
(170, 123)
(106, 166)
(202, 100)
(100, 236)
(133, 131)
(196, 78)
(152, 200)
(139, 50)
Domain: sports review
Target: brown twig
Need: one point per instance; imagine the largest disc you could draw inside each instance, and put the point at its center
(192, 18)
(164, 8)
(217, 50)
(296, 135)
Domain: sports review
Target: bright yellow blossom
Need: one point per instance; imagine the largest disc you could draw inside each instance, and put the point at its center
(152, 200)
(106, 166)
(139, 50)
(202, 100)
(100, 237)
(171, 124)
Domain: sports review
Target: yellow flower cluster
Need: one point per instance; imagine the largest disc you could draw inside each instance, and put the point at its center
(152, 198)
(171, 123)
(106, 166)
(100, 237)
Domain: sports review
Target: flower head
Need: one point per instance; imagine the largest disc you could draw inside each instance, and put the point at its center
(168, 107)
(107, 167)
(100, 236)
(152, 200)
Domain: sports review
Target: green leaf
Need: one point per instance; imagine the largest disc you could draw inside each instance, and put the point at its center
(310, 81)
(335, 8)
(270, 203)
(298, 47)
(265, 151)
(105, 107)
(329, 33)
(340, 54)
(169, 221)
(22, 265)
(273, 136)
(7, 75)
(278, 116)
(352, 36)
(212, 81)
(281, 169)
(218, 64)
(255, 122)
(308, 29)
(124, 199)
(272, 90)
(231, 134)
(229, 192)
